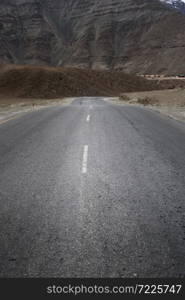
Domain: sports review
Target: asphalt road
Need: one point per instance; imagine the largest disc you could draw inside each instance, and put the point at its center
(92, 189)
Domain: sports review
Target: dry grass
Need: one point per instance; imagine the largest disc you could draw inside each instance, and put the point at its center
(146, 100)
(124, 97)
(139, 99)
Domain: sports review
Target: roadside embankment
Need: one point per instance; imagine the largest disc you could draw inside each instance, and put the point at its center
(50, 83)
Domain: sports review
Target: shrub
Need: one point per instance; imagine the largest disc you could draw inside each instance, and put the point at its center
(124, 97)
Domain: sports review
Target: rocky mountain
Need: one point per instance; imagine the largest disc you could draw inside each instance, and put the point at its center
(177, 4)
(143, 36)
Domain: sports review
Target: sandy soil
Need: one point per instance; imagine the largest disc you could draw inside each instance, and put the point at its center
(10, 107)
(169, 102)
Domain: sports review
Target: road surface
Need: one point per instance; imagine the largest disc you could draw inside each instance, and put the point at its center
(92, 189)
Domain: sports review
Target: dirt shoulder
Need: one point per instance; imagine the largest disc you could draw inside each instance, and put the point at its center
(169, 102)
(12, 107)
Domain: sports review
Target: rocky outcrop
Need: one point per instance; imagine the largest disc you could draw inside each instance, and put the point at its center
(142, 36)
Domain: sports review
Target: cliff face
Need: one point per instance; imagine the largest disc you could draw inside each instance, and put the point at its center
(142, 36)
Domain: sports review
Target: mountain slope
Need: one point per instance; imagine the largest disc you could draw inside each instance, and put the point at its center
(140, 36)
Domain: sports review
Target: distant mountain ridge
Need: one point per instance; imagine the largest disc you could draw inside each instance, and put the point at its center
(142, 36)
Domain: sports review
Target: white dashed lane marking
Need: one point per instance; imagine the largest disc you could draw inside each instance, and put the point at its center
(88, 118)
(85, 159)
